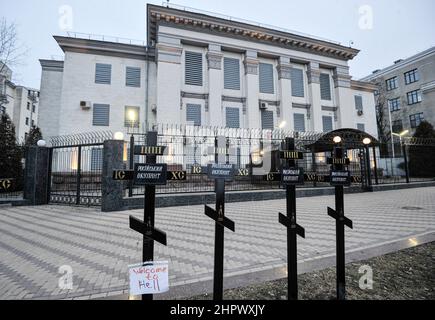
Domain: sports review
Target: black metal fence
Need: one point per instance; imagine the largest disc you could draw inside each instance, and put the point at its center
(76, 168)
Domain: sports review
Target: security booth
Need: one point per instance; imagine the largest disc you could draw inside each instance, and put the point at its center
(360, 148)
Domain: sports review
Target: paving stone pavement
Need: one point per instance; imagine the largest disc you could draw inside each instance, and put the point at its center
(36, 241)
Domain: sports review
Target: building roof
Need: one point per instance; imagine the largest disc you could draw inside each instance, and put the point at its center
(235, 29)
(400, 64)
(106, 48)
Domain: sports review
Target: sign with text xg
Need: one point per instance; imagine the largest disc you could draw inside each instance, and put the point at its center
(150, 174)
(220, 171)
(149, 278)
(339, 178)
(292, 176)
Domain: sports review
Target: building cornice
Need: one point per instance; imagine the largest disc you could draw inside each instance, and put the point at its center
(195, 21)
(363, 86)
(51, 65)
(105, 48)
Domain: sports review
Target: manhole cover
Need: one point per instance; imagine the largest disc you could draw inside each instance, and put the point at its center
(412, 208)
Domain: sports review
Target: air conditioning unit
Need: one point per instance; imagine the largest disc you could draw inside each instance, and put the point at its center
(360, 112)
(86, 105)
(263, 105)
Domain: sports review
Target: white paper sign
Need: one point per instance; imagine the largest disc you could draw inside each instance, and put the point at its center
(149, 278)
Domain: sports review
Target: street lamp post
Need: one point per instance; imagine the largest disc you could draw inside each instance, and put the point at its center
(366, 143)
(403, 147)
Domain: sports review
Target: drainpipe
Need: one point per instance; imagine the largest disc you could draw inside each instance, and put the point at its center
(146, 93)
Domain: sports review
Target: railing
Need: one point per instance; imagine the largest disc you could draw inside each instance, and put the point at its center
(100, 37)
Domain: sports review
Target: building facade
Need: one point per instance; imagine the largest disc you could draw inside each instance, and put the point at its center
(407, 89)
(203, 70)
(20, 103)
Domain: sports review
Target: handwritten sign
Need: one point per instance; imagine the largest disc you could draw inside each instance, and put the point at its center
(150, 174)
(149, 278)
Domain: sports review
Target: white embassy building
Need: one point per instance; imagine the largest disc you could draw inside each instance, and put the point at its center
(203, 70)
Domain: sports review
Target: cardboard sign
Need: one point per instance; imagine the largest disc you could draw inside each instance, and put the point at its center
(146, 150)
(339, 178)
(220, 171)
(292, 176)
(149, 278)
(150, 174)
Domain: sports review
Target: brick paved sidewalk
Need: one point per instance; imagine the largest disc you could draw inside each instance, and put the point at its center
(36, 241)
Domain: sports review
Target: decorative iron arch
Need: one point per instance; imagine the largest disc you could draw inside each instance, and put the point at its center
(350, 139)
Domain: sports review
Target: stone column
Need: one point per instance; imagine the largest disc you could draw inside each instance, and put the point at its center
(284, 77)
(215, 85)
(111, 190)
(252, 118)
(313, 74)
(169, 52)
(346, 113)
(36, 177)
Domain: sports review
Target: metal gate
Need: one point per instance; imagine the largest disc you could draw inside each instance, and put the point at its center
(76, 169)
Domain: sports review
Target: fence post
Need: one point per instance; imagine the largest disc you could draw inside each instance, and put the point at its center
(79, 174)
(405, 158)
(111, 190)
(36, 175)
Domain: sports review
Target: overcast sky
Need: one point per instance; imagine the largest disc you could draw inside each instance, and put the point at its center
(384, 30)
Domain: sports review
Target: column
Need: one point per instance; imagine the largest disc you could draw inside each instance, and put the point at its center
(313, 74)
(284, 78)
(215, 86)
(344, 97)
(169, 52)
(252, 118)
(36, 177)
(111, 190)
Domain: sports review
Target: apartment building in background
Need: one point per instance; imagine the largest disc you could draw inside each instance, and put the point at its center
(19, 102)
(408, 87)
(204, 70)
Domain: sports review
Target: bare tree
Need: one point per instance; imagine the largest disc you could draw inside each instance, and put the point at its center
(382, 119)
(11, 54)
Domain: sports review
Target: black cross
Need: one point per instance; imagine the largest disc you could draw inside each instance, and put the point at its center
(221, 222)
(338, 165)
(293, 229)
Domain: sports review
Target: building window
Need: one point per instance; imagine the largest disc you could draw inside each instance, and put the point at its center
(299, 122)
(325, 87)
(266, 78)
(397, 126)
(132, 77)
(327, 123)
(358, 103)
(101, 115)
(193, 72)
(27, 121)
(25, 136)
(231, 74)
(33, 108)
(361, 127)
(414, 97)
(411, 76)
(33, 123)
(391, 84)
(394, 104)
(96, 159)
(267, 120)
(416, 119)
(232, 117)
(103, 73)
(297, 78)
(131, 117)
(193, 114)
(28, 105)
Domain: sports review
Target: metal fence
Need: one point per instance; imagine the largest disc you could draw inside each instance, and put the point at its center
(255, 150)
(75, 172)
